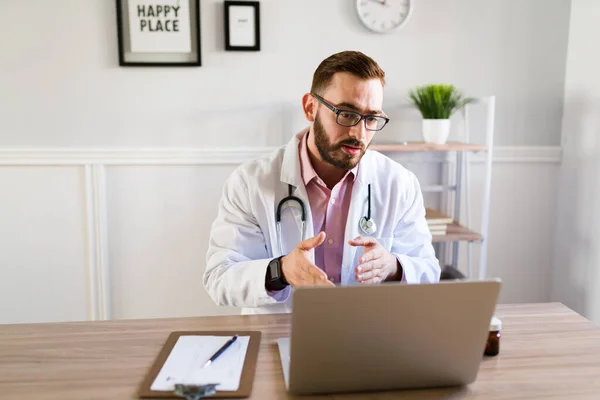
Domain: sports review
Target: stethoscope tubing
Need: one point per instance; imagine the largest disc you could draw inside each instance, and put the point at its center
(365, 222)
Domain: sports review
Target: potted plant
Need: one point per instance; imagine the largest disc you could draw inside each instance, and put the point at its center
(437, 102)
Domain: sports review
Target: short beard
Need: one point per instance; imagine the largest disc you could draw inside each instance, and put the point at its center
(333, 154)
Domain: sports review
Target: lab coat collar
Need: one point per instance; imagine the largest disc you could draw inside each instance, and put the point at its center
(290, 169)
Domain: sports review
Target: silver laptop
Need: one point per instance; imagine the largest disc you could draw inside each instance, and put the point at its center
(387, 337)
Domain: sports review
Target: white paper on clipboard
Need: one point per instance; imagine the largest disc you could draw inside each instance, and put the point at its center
(185, 363)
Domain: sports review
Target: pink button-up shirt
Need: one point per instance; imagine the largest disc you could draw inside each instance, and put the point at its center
(329, 212)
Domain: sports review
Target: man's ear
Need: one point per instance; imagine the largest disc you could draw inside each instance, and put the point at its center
(309, 106)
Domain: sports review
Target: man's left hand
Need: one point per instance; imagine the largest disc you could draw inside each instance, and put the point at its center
(376, 264)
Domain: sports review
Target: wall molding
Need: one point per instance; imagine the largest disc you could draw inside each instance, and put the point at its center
(97, 243)
(223, 156)
(95, 161)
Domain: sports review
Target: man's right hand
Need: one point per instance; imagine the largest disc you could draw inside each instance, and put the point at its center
(297, 268)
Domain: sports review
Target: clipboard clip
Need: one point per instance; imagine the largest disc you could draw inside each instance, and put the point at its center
(195, 392)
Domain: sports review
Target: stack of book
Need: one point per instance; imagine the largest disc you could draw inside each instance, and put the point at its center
(437, 222)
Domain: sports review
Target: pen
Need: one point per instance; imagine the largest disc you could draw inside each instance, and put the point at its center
(221, 350)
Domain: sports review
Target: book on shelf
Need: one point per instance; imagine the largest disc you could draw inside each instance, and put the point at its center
(435, 231)
(435, 217)
(437, 221)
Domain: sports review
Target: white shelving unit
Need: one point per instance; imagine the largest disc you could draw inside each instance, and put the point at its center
(457, 185)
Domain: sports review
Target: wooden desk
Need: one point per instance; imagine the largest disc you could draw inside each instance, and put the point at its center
(547, 352)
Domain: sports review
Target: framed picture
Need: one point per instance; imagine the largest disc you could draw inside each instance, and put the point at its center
(159, 33)
(242, 25)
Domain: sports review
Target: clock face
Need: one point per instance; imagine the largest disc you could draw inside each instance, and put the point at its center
(383, 15)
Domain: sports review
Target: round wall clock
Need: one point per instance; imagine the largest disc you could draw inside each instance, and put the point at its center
(383, 16)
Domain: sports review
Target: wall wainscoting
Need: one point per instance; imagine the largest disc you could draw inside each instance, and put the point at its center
(131, 269)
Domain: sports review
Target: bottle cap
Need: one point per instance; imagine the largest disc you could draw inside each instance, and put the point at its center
(495, 324)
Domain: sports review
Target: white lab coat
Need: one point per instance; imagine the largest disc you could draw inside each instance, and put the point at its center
(243, 238)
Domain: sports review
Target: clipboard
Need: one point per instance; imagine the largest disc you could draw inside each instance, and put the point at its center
(248, 370)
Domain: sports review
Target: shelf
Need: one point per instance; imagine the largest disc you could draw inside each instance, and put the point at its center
(455, 233)
(422, 146)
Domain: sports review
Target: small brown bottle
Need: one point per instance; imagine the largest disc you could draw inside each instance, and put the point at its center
(492, 347)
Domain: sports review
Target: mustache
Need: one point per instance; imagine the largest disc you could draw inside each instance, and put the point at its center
(350, 142)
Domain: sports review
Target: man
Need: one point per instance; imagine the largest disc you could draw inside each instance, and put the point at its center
(362, 213)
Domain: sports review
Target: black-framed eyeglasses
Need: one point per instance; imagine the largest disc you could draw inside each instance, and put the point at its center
(352, 118)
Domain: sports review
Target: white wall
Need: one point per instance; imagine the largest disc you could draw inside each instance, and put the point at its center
(576, 277)
(61, 84)
(96, 228)
(43, 274)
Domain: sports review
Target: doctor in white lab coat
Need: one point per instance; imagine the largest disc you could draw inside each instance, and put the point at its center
(245, 266)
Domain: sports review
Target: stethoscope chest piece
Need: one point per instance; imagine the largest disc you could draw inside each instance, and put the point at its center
(367, 225)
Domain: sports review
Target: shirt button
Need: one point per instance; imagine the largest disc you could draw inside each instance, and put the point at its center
(332, 201)
(330, 241)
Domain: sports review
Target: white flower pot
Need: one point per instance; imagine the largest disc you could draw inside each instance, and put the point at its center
(436, 130)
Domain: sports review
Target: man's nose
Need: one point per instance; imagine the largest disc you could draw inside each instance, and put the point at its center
(359, 131)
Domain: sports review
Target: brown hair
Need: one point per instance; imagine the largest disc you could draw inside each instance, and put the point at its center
(353, 62)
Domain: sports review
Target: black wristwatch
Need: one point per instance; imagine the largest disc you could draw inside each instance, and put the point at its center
(274, 279)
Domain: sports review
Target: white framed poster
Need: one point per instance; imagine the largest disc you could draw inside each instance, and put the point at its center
(159, 32)
(242, 25)
(161, 26)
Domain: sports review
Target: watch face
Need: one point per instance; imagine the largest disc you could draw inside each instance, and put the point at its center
(275, 278)
(274, 269)
(383, 15)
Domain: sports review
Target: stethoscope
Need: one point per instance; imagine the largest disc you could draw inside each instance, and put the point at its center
(366, 224)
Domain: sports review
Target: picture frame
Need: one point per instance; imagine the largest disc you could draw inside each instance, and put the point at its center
(159, 35)
(242, 25)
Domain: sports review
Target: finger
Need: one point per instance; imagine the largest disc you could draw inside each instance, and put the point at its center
(362, 241)
(371, 273)
(364, 275)
(371, 255)
(374, 275)
(366, 267)
(312, 242)
(369, 260)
